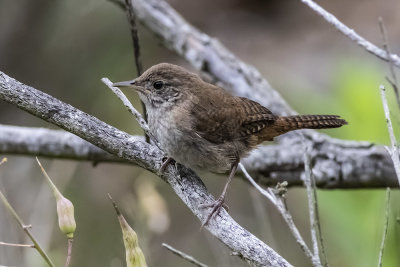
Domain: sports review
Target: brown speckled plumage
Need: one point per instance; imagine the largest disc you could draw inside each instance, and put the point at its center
(204, 127)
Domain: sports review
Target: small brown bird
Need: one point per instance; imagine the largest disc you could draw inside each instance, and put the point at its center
(202, 126)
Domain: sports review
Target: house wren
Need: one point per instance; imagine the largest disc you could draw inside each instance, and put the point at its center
(202, 126)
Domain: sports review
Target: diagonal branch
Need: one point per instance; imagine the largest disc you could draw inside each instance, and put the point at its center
(135, 37)
(142, 121)
(183, 181)
(184, 255)
(279, 201)
(387, 49)
(393, 151)
(136, 51)
(26, 229)
(385, 228)
(352, 35)
(316, 236)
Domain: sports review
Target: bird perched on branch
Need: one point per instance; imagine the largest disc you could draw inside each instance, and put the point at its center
(202, 126)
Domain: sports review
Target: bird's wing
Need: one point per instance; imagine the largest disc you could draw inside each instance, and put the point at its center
(225, 118)
(257, 117)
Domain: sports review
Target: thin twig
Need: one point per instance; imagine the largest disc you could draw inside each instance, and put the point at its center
(393, 151)
(279, 203)
(350, 33)
(52, 185)
(385, 227)
(128, 6)
(26, 230)
(310, 197)
(267, 194)
(114, 205)
(125, 101)
(135, 37)
(136, 49)
(17, 245)
(315, 227)
(323, 257)
(69, 253)
(184, 255)
(132, 110)
(386, 47)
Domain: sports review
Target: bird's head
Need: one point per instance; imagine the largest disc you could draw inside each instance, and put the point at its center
(162, 85)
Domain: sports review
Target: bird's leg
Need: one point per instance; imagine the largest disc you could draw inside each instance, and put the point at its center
(164, 165)
(219, 203)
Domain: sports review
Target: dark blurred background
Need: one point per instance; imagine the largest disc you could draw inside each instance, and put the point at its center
(64, 48)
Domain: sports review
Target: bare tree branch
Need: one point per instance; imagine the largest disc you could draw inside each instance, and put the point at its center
(386, 47)
(394, 149)
(142, 122)
(136, 51)
(135, 37)
(26, 229)
(183, 181)
(17, 245)
(278, 200)
(351, 34)
(43, 142)
(309, 182)
(365, 165)
(336, 163)
(184, 256)
(385, 227)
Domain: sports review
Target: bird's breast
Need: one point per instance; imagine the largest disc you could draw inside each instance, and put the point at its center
(169, 130)
(174, 132)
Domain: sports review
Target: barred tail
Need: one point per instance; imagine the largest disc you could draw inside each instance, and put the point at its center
(291, 123)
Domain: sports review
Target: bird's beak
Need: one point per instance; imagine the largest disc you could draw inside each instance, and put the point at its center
(131, 84)
(124, 84)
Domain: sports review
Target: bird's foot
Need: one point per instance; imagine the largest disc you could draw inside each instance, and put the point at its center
(166, 161)
(216, 207)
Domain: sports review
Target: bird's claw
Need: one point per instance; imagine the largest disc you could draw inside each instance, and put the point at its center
(210, 205)
(216, 207)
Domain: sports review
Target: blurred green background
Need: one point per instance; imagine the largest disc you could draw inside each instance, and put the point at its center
(64, 48)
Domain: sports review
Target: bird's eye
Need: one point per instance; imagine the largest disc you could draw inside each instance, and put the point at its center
(158, 85)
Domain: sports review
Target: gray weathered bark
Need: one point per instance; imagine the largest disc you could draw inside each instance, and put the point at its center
(336, 163)
(183, 181)
(44, 142)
